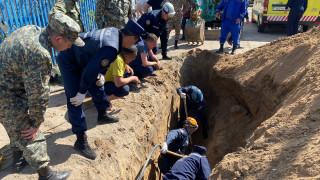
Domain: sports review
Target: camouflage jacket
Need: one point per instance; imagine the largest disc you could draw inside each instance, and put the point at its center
(25, 67)
(69, 8)
(115, 13)
(178, 4)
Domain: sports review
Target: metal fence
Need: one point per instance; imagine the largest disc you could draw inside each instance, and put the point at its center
(19, 13)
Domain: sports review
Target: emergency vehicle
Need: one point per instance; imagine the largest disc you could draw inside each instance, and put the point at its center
(271, 12)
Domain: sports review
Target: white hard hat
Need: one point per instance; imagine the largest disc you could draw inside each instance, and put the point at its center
(169, 9)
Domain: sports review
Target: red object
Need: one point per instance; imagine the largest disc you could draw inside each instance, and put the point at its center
(265, 8)
(316, 23)
(265, 22)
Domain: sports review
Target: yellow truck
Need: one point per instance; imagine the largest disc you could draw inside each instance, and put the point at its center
(271, 12)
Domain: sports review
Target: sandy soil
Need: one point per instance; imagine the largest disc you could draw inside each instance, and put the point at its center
(148, 113)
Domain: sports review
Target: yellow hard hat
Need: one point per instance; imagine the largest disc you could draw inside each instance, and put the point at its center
(191, 122)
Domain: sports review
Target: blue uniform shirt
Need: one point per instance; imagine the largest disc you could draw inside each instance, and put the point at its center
(142, 48)
(100, 50)
(191, 167)
(177, 140)
(297, 5)
(152, 22)
(232, 9)
(189, 90)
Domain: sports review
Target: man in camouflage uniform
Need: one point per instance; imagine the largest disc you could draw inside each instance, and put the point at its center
(69, 8)
(25, 66)
(115, 13)
(176, 20)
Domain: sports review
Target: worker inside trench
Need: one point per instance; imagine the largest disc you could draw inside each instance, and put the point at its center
(229, 118)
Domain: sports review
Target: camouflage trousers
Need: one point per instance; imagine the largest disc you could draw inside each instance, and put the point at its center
(14, 117)
(175, 23)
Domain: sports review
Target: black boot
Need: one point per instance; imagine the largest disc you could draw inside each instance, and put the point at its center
(19, 163)
(46, 174)
(83, 147)
(234, 48)
(176, 44)
(165, 57)
(221, 49)
(104, 118)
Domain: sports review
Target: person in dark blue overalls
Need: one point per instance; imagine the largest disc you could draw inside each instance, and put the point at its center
(82, 70)
(155, 22)
(194, 166)
(177, 141)
(195, 101)
(231, 12)
(297, 9)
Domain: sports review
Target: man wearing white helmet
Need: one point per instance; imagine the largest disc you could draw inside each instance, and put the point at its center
(156, 22)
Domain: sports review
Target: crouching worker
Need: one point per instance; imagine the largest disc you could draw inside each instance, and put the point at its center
(194, 101)
(177, 141)
(116, 85)
(146, 62)
(194, 166)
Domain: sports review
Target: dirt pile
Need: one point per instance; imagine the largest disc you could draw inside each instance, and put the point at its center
(264, 106)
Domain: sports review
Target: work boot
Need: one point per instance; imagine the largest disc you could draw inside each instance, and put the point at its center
(220, 50)
(176, 44)
(45, 173)
(19, 163)
(104, 118)
(153, 74)
(234, 48)
(165, 57)
(83, 147)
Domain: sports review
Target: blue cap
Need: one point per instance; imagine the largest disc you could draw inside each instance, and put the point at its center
(200, 149)
(134, 27)
(197, 95)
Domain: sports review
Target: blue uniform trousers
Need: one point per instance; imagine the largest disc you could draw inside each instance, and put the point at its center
(230, 26)
(110, 88)
(293, 22)
(142, 71)
(71, 75)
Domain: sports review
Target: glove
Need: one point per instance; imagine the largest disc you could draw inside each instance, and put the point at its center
(164, 148)
(183, 95)
(78, 99)
(100, 81)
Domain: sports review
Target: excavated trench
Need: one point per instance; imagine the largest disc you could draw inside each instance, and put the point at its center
(234, 110)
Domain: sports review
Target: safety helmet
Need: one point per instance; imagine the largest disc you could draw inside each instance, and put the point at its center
(197, 95)
(169, 9)
(191, 122)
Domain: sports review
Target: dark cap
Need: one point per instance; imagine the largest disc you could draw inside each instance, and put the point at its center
(66, 27)
(200, 149)
(133, 27)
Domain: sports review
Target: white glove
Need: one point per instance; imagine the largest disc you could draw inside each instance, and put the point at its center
(183, 95)
(78, 99)
(100, 81)
(164, 148)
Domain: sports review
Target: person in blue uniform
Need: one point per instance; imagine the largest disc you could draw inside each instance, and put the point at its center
(297, 9)
(194, 101)
(155, 22)
(82, 70)
(246, 16)
(146, 62)
(231, 12)
(194, 166)
(177, 141)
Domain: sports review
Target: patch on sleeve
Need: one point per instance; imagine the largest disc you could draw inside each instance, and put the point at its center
(148, 22)
(104, 62)
(182, 131)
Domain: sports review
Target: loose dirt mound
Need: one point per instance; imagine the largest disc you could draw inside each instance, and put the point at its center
(268, 102)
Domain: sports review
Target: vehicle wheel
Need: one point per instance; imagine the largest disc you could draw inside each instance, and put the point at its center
(261, 26)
